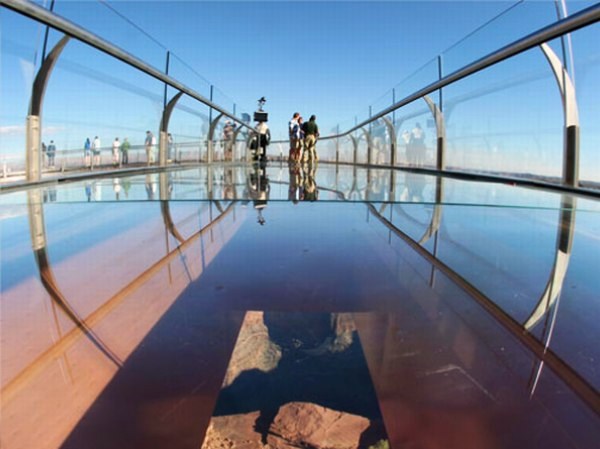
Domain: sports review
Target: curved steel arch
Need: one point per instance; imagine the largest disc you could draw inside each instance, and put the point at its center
(210, 137)
(35, 208)
(571, 117)
(164, 129)
(393, 139)
(33, 156)
(440, 127)
(564, 371)
(369, 144)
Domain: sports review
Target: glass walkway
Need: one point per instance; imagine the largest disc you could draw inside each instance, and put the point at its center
(375, 299)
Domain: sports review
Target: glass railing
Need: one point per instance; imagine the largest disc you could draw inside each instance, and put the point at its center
(508, 119)
(92, 95)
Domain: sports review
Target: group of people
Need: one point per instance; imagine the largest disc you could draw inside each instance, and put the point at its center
(415, 145)
(228, 139)
(120, 150)
(92, 151)
(303, 139)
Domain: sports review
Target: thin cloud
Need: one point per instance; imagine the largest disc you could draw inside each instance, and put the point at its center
(12, 130)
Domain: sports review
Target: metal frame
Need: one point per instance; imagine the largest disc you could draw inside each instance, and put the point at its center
(210, 138)
(440, 126)
(164, 129)
(571, 116)
(393, 141)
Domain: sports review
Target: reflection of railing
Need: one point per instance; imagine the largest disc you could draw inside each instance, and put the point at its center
(519, 331)
(84, 325)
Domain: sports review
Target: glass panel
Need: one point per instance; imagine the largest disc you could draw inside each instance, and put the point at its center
(587, 79)
(515, 22)
(425, 75)
(416, 131)
(120, 24)
(20, 47)
(189, 127)
(108, 100)
(188, 76)
(506, 120)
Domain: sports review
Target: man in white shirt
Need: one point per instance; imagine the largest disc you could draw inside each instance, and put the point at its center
(96, 150)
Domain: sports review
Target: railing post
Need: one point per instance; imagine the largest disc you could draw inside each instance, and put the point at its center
(570, 172)
(33, 154)
(337, 147)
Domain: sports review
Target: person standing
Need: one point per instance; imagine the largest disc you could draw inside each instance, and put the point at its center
(96, 150)
(417, 143)
(300, 142)
(125, 151)
(51, 152)
(228, 141)
(87, 146)
(311, 134)
(44, 154)
(294, 133)
(115, 151)
(264, 139)
(149, 146)
(170, 146)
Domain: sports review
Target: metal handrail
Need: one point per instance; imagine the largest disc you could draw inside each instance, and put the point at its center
(579, 20)
(57, 22)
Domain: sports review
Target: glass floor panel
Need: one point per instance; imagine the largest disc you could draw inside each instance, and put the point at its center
(280, 306)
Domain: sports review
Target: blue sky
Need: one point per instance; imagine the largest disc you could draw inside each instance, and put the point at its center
(332, 59)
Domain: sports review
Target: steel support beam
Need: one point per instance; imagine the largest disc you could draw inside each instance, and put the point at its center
(440, 126)
(570, 169)
(33, 124)
(210, 138)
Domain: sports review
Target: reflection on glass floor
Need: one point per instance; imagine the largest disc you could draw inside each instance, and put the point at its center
(227, 304)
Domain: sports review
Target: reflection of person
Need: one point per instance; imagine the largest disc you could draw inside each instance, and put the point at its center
(295, 182)
(415, 184)
(115, 151)
(150, 187)
(258, 190)
(310, 192)
(117, 187)
(96, 191)
(125, 151)
(88, 191)
(228, 185)
(51, 153)
(417, 145)
(311, 134)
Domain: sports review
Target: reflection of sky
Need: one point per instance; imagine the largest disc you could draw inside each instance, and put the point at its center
(89, 94)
